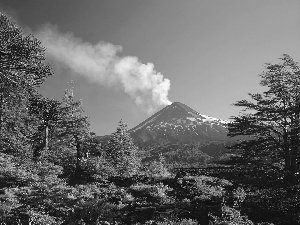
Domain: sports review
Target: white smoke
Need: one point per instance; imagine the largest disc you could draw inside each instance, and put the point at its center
(100, 62)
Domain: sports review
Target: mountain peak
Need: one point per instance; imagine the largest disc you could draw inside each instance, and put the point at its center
(177, 103)
(180, 106)
(179, 120)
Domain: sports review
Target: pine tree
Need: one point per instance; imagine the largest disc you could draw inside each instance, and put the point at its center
(46, 111)
(73, 127)
(121, 151)
(271, 120)
(22, 69)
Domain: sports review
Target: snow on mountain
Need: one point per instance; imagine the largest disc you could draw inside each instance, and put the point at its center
(180, 123)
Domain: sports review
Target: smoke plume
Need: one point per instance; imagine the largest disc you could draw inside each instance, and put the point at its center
(100, 63)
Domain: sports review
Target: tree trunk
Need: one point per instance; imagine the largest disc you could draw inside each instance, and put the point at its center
(295, 138)
(78, 157)
(41, 146)
(293, 166)
(1, 113)
(287, 157)
(46, 138)
(2, 86)
(293, 153)
(37, 151)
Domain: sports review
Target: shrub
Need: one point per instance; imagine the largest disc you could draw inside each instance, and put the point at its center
(230, 216)
(201, 187)
(98, 168)
(239, 196)
(153, 193)
(37, 218)
(95, 212)
(173, 222)
(158, 168)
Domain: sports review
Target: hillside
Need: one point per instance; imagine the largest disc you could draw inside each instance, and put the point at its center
(180, 123)
(178, 131)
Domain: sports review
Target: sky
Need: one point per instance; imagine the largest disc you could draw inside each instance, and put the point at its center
(129, 59)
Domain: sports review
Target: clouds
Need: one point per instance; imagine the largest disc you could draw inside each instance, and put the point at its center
(100, 63)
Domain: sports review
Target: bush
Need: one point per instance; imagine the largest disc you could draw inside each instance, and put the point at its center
(230, 216)
(95, 212)
(153, 193)
(158, 169)
(200, 188)
(98, 168)
(173, 222)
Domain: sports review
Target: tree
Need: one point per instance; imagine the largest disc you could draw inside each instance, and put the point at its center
(47, 112)
(21, 70)
(21, 57)
(121, 151)
(271, 119)
(73, 126)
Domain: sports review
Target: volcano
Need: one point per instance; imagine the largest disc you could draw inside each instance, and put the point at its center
(182, 135)
(179, 123)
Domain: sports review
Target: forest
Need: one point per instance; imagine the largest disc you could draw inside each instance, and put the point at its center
(53, 170)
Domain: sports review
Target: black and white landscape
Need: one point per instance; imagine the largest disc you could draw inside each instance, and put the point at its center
(149, 112)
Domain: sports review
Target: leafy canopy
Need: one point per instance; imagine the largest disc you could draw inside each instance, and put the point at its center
(271, 120)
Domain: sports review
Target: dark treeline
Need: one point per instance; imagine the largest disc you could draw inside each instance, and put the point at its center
(53, 170)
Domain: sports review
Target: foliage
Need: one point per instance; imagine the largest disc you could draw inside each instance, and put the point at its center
(98, 168)
(12, 173)
(22, 69)
(201, 188)
(192, 155)
(95, 212)
(239, 196)
(272, 121)
(38, 194)
(36, 218)
(153, 193)
(158, 168)
(278, 204)
(121, 152)
(73, 129)
(230, 216)
(174, 222)
(181, 155)
(74, 126)
(46, 111)
(21, 57)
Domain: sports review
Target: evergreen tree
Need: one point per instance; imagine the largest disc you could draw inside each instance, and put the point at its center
(271, 120)
(73, 127)
(21, 70)
(121, 151)
(47, 112)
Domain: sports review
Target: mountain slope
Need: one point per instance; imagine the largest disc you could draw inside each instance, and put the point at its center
(184, 136)
(180, 123)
